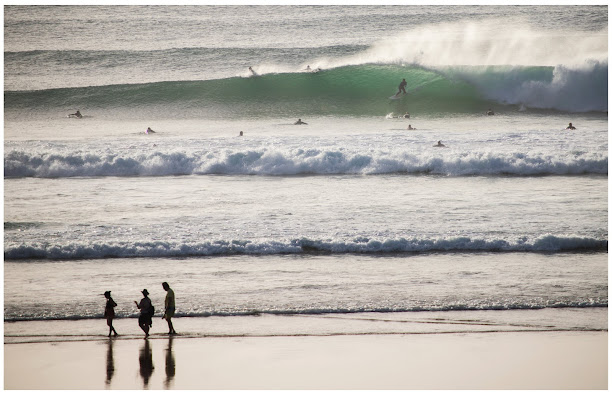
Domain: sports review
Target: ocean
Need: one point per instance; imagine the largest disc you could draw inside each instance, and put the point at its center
(350, 214)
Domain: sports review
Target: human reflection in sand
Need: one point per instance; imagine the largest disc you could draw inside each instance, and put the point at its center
(170, 365)
(145, 358)
(110, 363)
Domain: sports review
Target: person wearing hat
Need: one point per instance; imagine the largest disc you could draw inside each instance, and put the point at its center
(109, 312)
(146, 312)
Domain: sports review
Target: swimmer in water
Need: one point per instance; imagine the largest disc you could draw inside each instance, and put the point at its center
(570, 127)
(411, 128)
(77, 114)
(439, 144)
(149, 130)
(241, 134)
(299, 122)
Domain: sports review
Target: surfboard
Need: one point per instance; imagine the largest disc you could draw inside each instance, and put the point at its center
(397, 96)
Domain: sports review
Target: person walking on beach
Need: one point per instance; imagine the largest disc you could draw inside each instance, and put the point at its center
(146, 312)
(169, 307)
(109, 312)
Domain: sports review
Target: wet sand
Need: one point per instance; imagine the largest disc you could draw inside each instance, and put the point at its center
(521, 359)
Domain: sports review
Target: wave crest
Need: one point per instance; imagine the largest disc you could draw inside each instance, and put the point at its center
(362, 245)
(361, 90)
(265, 161)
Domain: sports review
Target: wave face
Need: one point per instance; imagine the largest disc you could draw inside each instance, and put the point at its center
(360, 90)
(278, 162)
(74, 251)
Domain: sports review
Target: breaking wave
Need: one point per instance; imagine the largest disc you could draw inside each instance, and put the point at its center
(362, 245)
(265, 161)
(360, 90)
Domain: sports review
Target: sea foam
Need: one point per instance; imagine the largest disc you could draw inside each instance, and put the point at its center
(362, 245)
(271, 161)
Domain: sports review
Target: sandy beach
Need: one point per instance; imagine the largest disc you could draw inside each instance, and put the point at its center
(444, 358)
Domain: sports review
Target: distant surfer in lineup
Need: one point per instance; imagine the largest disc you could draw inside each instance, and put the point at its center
(149, 131)
(299, 122)
(77, 114)
(490, 112)
(570, 127)
(411, 128)
(402, 87)
(439, 144)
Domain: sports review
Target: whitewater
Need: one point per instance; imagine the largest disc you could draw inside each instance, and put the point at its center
(350, 213)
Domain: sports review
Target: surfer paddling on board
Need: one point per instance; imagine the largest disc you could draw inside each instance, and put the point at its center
(570, 127)
(77, 114)
(299, 122)
(149, 131)
(439, 144)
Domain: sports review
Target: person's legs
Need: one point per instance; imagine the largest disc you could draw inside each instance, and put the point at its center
(142, 323)
(171, 330)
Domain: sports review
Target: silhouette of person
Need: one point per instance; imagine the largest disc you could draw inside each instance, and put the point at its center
(145, 359)
(490, 112)
(110, 362)
(439, 144)
(170, 364)
(77, 114)
(570, 126)
(411, 128)
(109, 312)
(402, 87)
(146, 312)
(169, 306)
(300, 122)
(241, 134)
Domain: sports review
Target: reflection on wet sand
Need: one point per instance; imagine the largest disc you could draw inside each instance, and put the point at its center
(145, 361)
(170, 365)
(110, 363)
(145, 358)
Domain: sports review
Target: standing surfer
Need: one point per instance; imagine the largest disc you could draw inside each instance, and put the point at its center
(402, 87)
